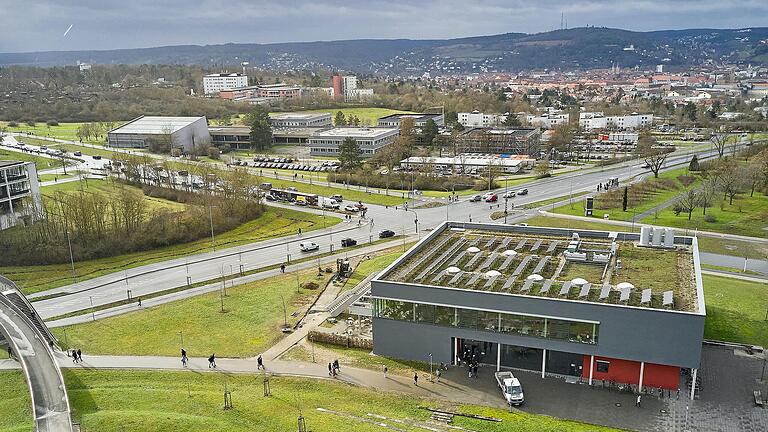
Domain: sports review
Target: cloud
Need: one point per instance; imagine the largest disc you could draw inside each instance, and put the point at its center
(37, 25)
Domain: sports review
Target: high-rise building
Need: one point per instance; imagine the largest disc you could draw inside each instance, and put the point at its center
(19, 192)
(338, 87)
(214, 83)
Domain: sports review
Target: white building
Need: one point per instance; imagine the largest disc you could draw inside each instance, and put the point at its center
(467, 163)
(548, 120)
(183, 132)
(19, 192)
(370, 140)
(478, 119)
(351, 91)
(596, 120)
(214, 83)
(300, 119)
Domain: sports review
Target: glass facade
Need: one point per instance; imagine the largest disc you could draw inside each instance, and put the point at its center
(496, 322)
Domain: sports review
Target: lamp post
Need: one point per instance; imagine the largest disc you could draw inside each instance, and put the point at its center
(430, 366)
(71, 256)
(213, 238)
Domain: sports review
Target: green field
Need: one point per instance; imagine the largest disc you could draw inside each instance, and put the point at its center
(53, 177)
(648, 202)
(747, 216)
(736, 310)
(108, 188)
(250, 324)
(15, 403)
(145, 401)
(273, 223)
(66, 131)
(41, 163)
(369, 116)
(744, 249)
(556, 222)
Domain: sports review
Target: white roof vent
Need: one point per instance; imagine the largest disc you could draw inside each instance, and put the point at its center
(492, 274)
(535, 277)
(579, 281)
(509, 252)
(452, 270)
(473, 249)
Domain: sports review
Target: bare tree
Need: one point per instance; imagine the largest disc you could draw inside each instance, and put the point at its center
(753, 176)
(653, 155)
(707, 193)
(689, 201)
(731, 180)
(719, 141)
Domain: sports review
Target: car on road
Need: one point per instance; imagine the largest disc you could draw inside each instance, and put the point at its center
(491, 198)
(338, 198)
(43, 148)
(346, 242)
(522, 192)
(77, 153)
(270, 197)
(360, 206)
(309, 246)
(386, 234)
(330, 203)
(476, 198)
(510, 194)
(351, 208)
(96, 157)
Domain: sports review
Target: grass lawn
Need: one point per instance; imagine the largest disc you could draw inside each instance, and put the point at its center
(273, 223)
(66, 131)
(108, 188)
(747, 216)
(51, 177)
(41, 163)
(15, 403)
(649, 201)
(555, 222)
(250, 324)
(182, 401)
(736, 310)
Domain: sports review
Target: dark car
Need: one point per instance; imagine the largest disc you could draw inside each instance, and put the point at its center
(386, 234)
(97, 157)
(348, 242)
(77, 153)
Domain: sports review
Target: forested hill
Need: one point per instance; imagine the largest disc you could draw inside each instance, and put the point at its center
(588, 47)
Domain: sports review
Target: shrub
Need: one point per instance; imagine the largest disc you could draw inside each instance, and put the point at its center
(310, 285)
(340, 340)
(31, 123)
(686, 180)
(709, 218)
(214, 153)
(13, 124)
(52, 123)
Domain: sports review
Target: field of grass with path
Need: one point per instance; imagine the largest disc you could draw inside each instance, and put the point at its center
(736, 310)
(15, 403)
(41, 163)
(66, 131)
(273, 223)
(747, 216)
(250, 323)
(649, 201)
(109, 188)
(368, 115)
(164, 401)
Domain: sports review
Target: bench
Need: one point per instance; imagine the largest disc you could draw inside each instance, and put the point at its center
(758, 398)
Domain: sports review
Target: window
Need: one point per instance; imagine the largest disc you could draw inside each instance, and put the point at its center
(602, 366)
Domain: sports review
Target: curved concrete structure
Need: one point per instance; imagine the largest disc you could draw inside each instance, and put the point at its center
(33, 350)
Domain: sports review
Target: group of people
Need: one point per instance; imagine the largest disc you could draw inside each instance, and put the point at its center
(77, 356)
(334, 368)
(614, 182)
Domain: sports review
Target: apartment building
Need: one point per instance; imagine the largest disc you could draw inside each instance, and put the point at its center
(370, 140)
(478, 119)
(596, 120)
(214, 83)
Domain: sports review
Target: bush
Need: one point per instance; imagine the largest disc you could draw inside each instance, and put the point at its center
(709, 218)
(31, 123)
(214, 153)
(402, 180)
(13, 124)
(340, 340)
(310, 285)
(52, 123)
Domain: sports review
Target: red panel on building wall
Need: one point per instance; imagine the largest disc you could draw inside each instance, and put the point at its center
(628, 372)
(338, 91)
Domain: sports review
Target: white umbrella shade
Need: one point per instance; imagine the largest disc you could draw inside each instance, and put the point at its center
(473, 249)
(509, 252)
(492, 274)
(535, 277)
(579, 281)
(624, 285)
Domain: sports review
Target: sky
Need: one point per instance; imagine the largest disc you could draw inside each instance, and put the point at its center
(39, 25)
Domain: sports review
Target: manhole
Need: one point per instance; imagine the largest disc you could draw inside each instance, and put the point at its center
(618, 404)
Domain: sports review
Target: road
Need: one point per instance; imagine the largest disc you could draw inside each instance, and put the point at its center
(156, 277)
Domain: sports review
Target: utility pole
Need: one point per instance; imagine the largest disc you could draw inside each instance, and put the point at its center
(210, 215)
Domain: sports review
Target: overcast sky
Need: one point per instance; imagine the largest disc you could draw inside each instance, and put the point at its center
(34, 25)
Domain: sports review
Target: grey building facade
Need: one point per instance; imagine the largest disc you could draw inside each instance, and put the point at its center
(519, 329)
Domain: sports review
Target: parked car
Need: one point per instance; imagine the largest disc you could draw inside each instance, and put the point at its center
(522, 192)
(309, 246)
(510, 388)
(476, 198)
(386, 234)
(346, 242)
(492, 198)
(351, 208)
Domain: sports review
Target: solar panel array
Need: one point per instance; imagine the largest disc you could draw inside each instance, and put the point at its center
(585, 289)
(566, 288)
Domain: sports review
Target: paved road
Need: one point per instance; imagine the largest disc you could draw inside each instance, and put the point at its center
(49, 398)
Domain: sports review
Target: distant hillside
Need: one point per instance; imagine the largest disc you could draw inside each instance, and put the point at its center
(565, 49)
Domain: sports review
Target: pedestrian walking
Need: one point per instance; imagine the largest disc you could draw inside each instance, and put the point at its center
(299, 231)
(385, 371)
(474, 371)
(79, 355)
(282, 268)
(336, 365)
(74, 356)
(10, 352)
(330, 369)
(139, 300)
(212, 361)
(637, 403)
(183, 357)
(416, 379)
(439, 373)
(260, 363)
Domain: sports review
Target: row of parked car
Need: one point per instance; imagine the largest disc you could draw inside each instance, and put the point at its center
(493, 197)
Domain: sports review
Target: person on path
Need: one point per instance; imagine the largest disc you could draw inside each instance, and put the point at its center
(79, 355)
(416, 379)
(438, 374)
(336, 366)
(282, 268)
(330, 369)
(74, 356)
(212, 361)
(10, 352)
(637, 403)
(260, 363)
(184, 357)
(474, 371)
(139, 300)
(385, 371)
